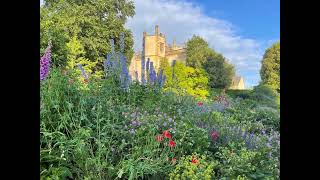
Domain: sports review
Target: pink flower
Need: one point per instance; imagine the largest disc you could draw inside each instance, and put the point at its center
(214, 135)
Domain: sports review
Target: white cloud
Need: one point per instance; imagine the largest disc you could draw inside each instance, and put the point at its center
(181, 19)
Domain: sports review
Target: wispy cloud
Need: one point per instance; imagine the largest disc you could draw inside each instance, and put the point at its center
(182, 19)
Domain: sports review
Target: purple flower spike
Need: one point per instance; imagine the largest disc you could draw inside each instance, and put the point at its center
(143, 80)
(148, 65)
(45, 63)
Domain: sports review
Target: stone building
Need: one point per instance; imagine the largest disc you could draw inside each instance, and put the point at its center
(237, 83)
(155, 47)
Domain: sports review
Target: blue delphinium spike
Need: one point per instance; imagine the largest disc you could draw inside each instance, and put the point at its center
(154, 77)
(114, 62)
(159, 78)
(123, 63)
(83, 71)
(107, 64)
(151, 66)
(147, 65)
(250, 141)
(150, 72)
(143, 80)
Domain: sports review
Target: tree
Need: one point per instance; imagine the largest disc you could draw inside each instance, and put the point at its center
(220, 72)
(186, 80)
(76, 56)
(270, 69)
(93, 22)
(197, 51)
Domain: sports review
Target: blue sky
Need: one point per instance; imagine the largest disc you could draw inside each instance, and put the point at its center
(259, 19)
(239, 29)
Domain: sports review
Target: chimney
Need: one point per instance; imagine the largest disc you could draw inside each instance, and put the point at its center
(157, 30)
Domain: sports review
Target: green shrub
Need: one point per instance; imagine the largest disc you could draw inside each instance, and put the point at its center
(194, 166)
(239, 162)
(244, 94)
(186, 80)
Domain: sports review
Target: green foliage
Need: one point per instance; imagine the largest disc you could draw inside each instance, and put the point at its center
(90, 134)
(92, 22)
(199, 55)
(219, 71)
(164, 63)
(197, 52)
(76, 56)
(186, 80)
(270, 69)
(200, 168)
(265, 94)
(237, 161)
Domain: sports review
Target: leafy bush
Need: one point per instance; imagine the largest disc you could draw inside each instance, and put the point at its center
(265, 95)
(194, 166)
(186, 80)
(238, 162)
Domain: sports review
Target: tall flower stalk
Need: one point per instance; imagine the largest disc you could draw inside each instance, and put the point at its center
(83, 72)
(45, 63)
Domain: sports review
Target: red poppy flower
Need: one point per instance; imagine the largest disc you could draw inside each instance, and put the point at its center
(166, 134)
(159, 138)
(172, 143)
(200, 103)
(194, 161)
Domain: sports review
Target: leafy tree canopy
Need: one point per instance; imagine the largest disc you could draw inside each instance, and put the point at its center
(93, 22)
(270, 69)
(197, 52)
(220, 72)
(200, 55)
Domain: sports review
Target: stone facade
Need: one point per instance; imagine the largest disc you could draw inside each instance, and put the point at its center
(156, 48)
